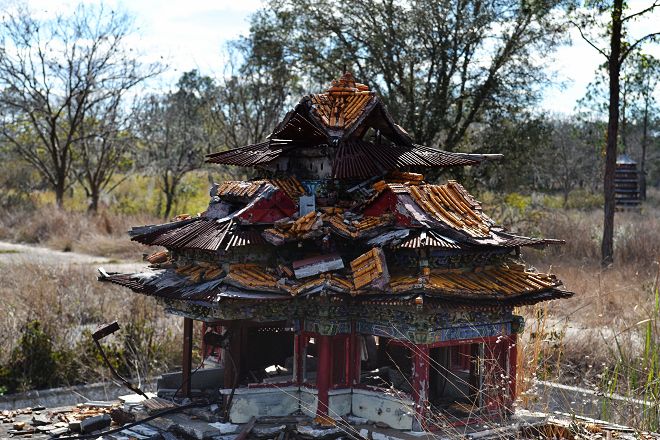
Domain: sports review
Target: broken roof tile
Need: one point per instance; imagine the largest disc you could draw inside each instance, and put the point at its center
(370, 270)
(490, 282)
(251, 276)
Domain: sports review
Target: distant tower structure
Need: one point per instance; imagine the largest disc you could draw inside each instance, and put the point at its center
(626, 183)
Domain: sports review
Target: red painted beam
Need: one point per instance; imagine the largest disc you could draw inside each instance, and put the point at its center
(420, 383)
(323, 375)
(513, 364)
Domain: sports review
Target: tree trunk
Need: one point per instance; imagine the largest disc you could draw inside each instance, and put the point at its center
(642, 171)
(169, 202)
(59, 194)
(614, 69)
(93, 202)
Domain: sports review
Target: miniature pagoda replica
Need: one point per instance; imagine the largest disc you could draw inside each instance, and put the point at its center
(339, 282)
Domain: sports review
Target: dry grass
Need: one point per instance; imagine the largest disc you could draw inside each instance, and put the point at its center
(104, 234)
(68, 303)
(607, 302)
(636, 236)
(585, 340)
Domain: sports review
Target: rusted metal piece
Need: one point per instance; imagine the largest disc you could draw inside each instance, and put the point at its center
(102, 333)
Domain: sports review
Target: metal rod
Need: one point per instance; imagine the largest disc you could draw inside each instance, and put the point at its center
(102, 333)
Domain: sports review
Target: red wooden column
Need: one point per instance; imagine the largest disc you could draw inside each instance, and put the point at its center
(355, 357)
(323, 375)
(203, 349)
(420, 384)
(187, 356)
(513, 363)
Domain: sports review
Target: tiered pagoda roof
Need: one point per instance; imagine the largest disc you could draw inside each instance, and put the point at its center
(339, 214)
(338, 120)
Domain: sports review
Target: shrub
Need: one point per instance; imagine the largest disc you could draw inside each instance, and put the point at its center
(33, 362)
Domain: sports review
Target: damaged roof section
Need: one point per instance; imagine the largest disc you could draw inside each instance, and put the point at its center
(368, 275)
(339, 210)
(340, 119)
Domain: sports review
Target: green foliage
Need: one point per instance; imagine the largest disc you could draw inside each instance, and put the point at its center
(436, 64)
(140, 349)
(33, 363)
(518, 202)
(584, 199)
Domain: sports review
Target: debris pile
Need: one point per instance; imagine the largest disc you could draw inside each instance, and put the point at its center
(84, 418)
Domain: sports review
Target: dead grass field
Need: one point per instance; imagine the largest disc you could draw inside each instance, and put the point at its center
(69, 304)
(103, 235)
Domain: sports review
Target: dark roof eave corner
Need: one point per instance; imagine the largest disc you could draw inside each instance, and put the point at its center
(550, 294)
(406, 139)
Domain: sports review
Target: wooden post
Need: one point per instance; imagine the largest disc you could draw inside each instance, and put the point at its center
(187, 356)
(233, 357)
(323, 375)
(420, 384)
(355, 350)
(298, 353)
(513, 363)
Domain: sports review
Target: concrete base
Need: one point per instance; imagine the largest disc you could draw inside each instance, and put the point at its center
(375, 406)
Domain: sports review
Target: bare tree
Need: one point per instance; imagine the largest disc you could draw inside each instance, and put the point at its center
(103, 149)
(644, 81)
(254, 94)
(173, 133)
(615, 54)
(54, 72)
(571, 159)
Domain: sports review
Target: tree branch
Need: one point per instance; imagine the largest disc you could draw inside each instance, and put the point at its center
(642, 12)
(584, 37)
(637, 43)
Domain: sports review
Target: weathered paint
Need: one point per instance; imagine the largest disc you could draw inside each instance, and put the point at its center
(309, 401)
(421, 336)
(259, 402)
(324, 374)
(339, 402)
(420, 384)
(395, 411)
(316, 265)
(268, 209)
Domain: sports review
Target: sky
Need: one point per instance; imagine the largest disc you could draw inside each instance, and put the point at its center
(191, 35)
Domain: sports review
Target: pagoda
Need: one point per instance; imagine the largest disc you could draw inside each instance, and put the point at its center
(339, 282)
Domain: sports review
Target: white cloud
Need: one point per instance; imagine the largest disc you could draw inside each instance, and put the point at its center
(191, 34)
(577, 63)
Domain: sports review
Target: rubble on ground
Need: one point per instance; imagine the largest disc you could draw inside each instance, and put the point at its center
(133, 417)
